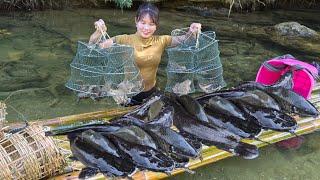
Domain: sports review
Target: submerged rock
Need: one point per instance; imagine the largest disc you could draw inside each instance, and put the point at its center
(294, 29)
(298, 40)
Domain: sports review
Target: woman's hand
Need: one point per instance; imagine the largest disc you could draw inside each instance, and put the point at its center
(192, 32)
(195, 28)
(101, 31)
(107, 43)
(100, 26)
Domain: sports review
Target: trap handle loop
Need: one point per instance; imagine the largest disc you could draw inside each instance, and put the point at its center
(197, 40)
(104, 34)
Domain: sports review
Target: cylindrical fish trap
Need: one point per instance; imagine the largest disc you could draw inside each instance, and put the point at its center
(194, 64)
(97, 72)
(29, 154)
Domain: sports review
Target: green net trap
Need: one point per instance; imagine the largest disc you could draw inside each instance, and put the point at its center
(97, 72)
(194, 65)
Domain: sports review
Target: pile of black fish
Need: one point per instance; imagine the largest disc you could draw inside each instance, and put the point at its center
(145, 138)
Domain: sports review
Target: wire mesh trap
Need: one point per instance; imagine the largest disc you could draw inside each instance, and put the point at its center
(97, 72)
(194, 65)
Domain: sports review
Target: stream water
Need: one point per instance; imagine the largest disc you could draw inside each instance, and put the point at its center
(36, 49)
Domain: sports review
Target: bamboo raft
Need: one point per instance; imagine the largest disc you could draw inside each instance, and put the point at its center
(209, 154)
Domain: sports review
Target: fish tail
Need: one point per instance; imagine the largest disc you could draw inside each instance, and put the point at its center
(247, 151)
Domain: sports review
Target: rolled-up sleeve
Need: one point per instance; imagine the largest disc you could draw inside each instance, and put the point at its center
(122, 39)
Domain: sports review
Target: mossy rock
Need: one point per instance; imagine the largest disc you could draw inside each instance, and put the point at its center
(303, 45)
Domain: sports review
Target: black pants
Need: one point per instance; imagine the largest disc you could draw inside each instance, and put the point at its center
(139, 98)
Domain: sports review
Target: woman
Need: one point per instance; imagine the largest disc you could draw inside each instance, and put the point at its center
(148, 47)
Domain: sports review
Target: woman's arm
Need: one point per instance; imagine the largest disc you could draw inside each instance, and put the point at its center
(95, 37)
(101, 31)
(193, 30)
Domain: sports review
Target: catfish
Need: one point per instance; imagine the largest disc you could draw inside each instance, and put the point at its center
(288, 100)
(144, 157)
(99, 161)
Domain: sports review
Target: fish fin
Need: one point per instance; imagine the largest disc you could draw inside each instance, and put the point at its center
(286, 80)
(193, 107)
(247, 151)
(88, 172)
(165, 118)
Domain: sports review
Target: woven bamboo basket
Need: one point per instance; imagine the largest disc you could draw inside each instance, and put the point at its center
(29, 154)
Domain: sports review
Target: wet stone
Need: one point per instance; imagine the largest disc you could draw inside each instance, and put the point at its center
(294, 29)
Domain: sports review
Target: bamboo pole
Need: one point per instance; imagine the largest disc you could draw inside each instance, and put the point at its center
(77, 117)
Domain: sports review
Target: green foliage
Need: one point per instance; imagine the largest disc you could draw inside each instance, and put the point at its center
(32, 4)
(56, 4)
(252, 5)
(123, 3)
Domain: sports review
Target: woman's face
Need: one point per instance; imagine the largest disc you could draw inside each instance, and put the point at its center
(145, 26)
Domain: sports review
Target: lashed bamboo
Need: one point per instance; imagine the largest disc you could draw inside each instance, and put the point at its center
(212, 154)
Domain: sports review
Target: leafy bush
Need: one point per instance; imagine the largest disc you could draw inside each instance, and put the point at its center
(56, 4)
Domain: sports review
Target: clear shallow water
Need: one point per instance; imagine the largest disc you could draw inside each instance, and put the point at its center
(37, 48)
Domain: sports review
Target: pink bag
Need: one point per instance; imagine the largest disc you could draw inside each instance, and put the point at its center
(303, 77)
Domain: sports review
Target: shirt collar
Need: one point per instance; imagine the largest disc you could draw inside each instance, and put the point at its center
(145, 42)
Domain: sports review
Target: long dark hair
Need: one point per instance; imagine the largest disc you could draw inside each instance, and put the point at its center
(151, 10)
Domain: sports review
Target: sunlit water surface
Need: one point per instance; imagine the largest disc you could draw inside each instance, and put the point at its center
(36, 50)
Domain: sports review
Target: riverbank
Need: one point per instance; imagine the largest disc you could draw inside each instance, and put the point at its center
(231, 5)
